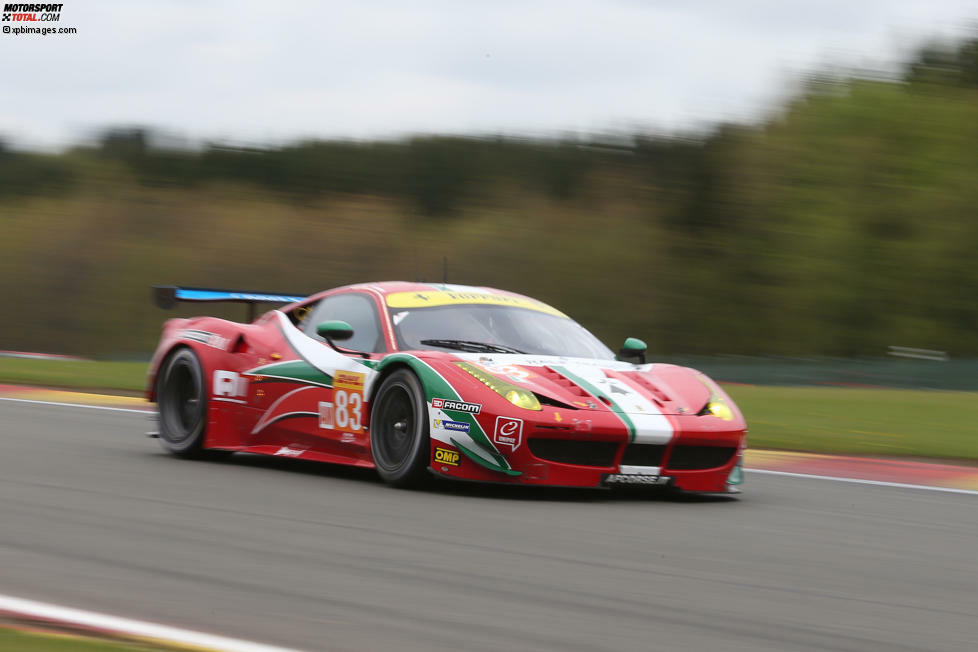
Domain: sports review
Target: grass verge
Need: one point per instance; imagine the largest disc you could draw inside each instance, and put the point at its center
(917, 423)
(16, 640)
(125, 376)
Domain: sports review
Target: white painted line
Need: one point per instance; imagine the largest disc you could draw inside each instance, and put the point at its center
(878, 483)
(77, 405)
(89, 619)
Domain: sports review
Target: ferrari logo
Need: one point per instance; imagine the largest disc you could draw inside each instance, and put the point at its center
(557, 416)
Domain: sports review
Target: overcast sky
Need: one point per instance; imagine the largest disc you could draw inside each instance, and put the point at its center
(267, 72)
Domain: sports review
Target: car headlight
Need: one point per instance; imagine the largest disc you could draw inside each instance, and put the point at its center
(717, 405)
(516, 395)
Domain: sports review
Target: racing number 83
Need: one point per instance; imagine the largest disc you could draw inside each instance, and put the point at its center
(348, 409)
(348, 400)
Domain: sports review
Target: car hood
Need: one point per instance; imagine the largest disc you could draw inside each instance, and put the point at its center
(585, 383)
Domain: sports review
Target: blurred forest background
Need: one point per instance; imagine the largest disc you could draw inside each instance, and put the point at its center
(844, 224)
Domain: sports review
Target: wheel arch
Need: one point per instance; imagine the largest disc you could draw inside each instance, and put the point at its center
(391, 364)
(160, 361)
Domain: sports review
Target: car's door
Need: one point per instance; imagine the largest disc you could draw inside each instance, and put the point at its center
(321, 406)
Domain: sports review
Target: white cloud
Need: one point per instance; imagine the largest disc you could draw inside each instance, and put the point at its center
(258, 71)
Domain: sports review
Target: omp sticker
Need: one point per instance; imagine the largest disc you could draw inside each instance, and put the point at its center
(442, 298)
(447, 457)
(508, 432)
(348, 400)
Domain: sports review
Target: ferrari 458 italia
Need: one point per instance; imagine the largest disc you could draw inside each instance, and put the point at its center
(461, 382)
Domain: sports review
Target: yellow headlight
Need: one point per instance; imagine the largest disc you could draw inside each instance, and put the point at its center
(716, 406)
(515, 395)
(720, 410)
(523, 399)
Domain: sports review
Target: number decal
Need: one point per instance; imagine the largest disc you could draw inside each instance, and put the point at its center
(340, 399)
(348, 400)
(356, 403)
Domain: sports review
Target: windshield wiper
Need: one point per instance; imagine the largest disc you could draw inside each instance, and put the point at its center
(472, 347)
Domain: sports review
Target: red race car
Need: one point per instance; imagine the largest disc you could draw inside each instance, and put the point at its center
(462, 382)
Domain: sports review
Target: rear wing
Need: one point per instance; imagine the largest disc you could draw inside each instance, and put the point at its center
(168, 296)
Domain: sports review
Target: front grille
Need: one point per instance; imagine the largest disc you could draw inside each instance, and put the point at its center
(690, 458)
(643, 455)
(573, 451)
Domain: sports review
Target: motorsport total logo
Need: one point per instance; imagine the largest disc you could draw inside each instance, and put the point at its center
(30, 13)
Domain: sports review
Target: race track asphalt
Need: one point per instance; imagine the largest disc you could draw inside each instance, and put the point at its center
(96, 516)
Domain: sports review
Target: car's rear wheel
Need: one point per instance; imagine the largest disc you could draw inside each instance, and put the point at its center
(181, 397)
(399, 439)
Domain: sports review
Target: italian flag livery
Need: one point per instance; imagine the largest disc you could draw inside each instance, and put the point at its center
(459, 382)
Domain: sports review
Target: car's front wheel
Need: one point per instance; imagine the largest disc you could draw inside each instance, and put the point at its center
(399, 439)
(182, 401)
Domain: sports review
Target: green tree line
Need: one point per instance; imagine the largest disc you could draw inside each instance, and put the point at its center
(842, 225)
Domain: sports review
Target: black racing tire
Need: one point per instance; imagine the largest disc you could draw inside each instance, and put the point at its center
(181, 397)
(399, 437)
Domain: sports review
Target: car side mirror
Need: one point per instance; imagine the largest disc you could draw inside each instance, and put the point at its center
(335, 330)
(633, 348)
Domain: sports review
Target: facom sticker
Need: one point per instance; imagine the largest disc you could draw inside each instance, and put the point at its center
(458, 406)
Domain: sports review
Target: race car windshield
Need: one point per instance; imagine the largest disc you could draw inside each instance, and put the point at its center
(493, 329)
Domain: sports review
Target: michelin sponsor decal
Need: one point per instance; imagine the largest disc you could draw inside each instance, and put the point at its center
(456, 426)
